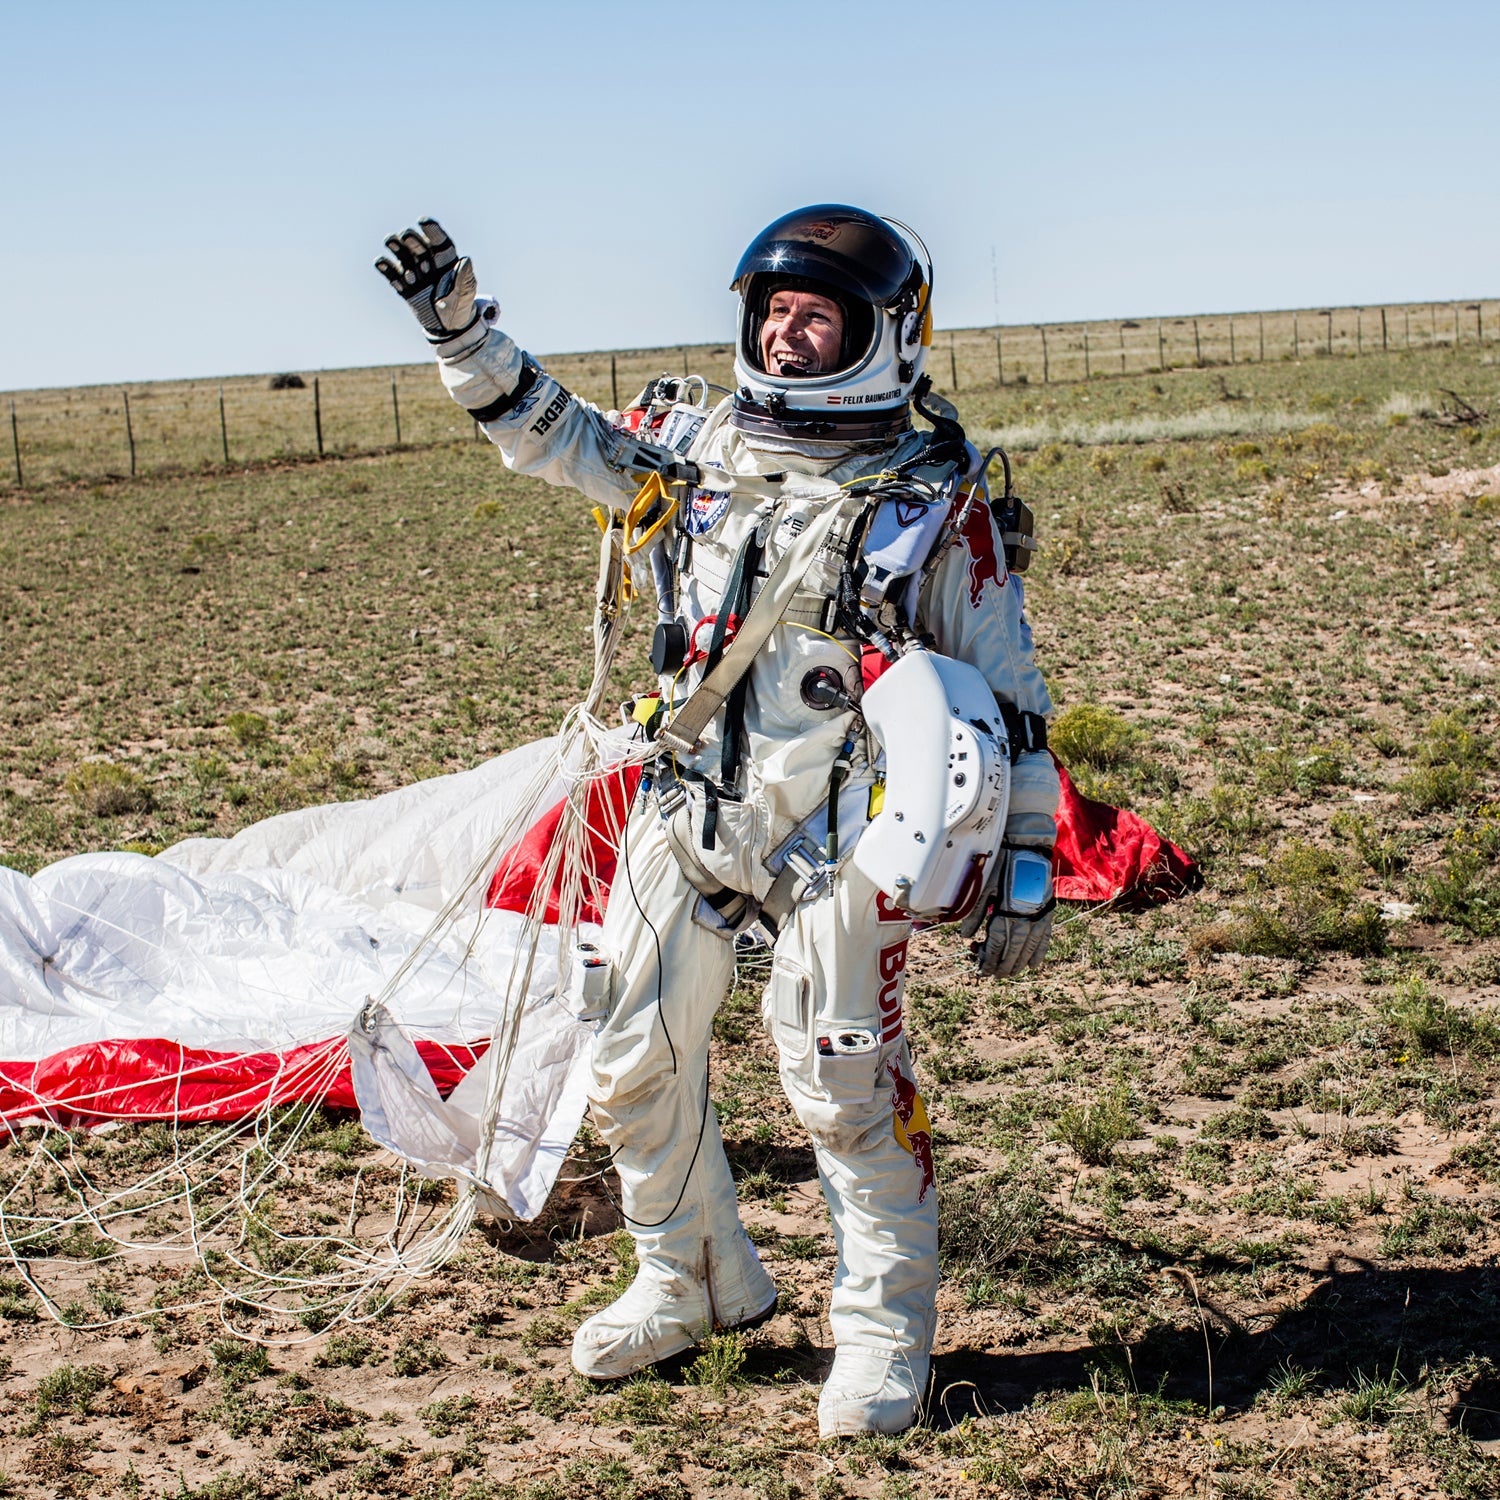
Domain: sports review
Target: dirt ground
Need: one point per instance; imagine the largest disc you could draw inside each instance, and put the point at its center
(1220, 1184)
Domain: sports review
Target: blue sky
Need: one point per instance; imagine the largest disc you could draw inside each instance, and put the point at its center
(199, 189)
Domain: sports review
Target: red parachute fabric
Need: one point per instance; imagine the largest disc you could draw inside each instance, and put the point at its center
(605, 806)
(156, 1079)
(1104, 853)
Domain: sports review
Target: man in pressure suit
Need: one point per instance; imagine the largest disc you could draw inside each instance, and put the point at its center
(835, 322)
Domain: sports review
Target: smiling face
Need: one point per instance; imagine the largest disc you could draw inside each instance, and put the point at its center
(802, 334)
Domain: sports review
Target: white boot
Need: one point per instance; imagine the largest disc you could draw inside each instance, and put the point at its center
(665, 1311)
(867, 1391)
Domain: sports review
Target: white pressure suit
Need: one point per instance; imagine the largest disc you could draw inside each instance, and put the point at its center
(840, 952)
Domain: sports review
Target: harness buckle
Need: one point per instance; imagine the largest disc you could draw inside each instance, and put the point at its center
(670, 793)
(813, 871)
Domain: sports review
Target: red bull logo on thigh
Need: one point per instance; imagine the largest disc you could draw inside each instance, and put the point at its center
(913, 1130)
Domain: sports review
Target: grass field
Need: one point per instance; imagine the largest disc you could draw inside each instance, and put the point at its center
(1221, 1184)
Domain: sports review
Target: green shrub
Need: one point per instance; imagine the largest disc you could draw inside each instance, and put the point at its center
(1452, 759)
(1303, 902)
(718, 1367)
(69, 1388)
(1090, 734)
(984, 1220)
(1431, 1025)
(1431, 1227)
(1299, 768)
(417, 1356)
(238, 1362)
(1465, 889)
(250, 730)
(1092, 1131)
(107, 790)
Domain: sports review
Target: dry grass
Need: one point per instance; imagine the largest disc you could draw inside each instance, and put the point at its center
(1221, 1183)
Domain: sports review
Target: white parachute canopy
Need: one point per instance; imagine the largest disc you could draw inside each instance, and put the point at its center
(143, 983)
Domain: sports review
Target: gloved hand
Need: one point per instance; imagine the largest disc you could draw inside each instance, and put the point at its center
(436, 283)
(1011, 925)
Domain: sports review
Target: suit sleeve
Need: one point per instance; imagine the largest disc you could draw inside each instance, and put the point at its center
(540, 427)
(976, 611)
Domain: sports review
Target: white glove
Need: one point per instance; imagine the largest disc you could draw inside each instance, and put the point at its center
(434, 281)
(1011, 925)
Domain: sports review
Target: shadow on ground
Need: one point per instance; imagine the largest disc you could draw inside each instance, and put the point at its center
(1362, 1319)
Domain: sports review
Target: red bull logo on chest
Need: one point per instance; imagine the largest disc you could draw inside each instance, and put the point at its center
(984, 565)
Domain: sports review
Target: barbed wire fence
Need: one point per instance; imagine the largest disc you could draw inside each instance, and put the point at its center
(89, 434)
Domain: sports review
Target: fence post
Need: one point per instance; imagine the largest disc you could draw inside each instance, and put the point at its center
(1383, 345)
(1231, 339)
(1455, 325)
(396, 408)
(1330, 330)
(1161, 348)
(684, 360)
(999, 360)
(15, 441)
(318, 414)
(1407, 312)
(1262, 338)
(952, 360)
(1432, 314)
(1046, 372)
(1197, 346)
(1479, 320)
(129, 432)
(614, 382)
(1087, 373)
(1296, 338)
(1359, 331)
(1122, 348)
(223, 426)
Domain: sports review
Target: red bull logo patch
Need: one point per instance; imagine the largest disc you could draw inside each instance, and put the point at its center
(912, 1128)
(984, 566)
(706, 508)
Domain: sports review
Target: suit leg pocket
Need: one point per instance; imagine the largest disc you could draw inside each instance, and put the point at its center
(789, 1010)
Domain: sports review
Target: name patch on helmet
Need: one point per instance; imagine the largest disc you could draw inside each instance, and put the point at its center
(705, 510)
(864, 400)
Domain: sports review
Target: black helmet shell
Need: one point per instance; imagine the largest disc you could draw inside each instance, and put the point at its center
(831, 242)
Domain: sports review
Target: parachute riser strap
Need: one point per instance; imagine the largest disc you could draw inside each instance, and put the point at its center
(685, 731)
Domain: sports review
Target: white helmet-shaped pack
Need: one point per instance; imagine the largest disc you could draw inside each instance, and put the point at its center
(879, 274)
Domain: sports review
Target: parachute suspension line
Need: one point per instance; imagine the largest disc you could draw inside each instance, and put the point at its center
(217, 1210)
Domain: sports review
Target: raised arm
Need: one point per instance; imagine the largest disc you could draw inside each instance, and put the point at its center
(539, 427)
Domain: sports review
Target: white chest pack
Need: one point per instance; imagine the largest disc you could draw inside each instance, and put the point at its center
(947, 767)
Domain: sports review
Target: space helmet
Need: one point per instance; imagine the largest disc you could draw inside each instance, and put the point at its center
(879, 274)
